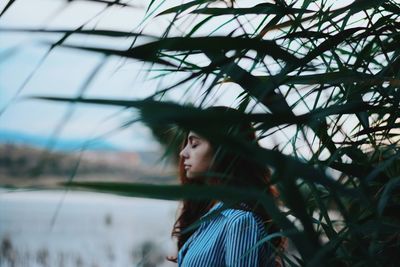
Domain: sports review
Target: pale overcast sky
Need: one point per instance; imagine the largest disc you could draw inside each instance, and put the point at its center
(64, 71)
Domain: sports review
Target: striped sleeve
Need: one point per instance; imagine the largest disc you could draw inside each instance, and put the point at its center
(242, 235)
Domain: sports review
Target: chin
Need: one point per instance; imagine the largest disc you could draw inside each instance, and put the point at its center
(194, 177)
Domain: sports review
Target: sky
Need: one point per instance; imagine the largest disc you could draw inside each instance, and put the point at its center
(27, 69)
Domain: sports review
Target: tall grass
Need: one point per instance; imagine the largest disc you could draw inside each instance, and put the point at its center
(326, 77)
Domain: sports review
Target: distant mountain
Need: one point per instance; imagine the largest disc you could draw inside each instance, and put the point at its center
(21, 164)
(11, 137)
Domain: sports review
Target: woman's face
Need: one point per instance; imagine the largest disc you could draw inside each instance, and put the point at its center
(197, 155)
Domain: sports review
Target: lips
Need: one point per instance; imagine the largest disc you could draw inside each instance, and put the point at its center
(186, 166)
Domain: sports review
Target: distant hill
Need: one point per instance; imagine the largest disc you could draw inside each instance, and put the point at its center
(18, 138)
(22, 165)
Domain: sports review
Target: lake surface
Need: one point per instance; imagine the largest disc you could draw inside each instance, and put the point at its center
(88, 229)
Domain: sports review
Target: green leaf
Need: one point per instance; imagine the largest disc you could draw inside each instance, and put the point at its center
(260, 9)
(182, 7)
(8, 5)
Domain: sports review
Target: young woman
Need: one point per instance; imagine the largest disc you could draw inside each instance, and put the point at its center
(227, 238)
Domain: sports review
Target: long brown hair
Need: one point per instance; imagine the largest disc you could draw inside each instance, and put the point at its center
(240, 170)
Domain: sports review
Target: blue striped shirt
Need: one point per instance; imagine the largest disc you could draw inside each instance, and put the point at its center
(227, 240)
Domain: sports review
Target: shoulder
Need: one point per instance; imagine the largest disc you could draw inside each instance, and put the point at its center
(236, 215)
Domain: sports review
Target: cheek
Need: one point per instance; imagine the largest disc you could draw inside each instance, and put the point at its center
(203, 160)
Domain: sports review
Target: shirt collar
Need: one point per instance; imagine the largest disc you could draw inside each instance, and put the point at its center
(226, 209)
(219, 205)
(220, 209)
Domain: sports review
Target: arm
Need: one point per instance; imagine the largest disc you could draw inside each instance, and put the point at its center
(242, 235)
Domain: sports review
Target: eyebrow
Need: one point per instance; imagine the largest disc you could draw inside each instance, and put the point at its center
(191, 137)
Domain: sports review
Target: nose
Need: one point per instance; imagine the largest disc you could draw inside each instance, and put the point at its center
(183, 153)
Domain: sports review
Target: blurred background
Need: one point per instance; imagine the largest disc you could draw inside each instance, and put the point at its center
(42, 144)
(45, 143)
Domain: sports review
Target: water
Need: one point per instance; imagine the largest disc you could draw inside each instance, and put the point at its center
(90, 229)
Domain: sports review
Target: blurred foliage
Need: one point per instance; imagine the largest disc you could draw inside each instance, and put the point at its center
(330, 73)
